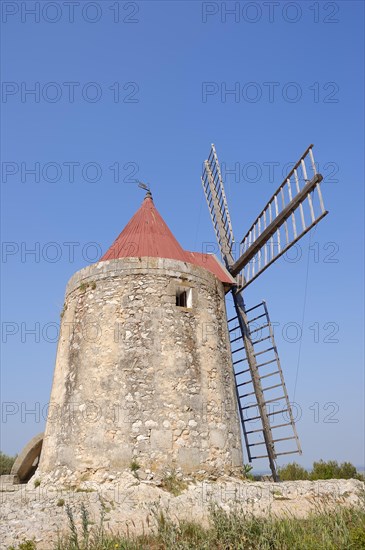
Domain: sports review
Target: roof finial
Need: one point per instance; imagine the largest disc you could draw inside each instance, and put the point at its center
(146, 187)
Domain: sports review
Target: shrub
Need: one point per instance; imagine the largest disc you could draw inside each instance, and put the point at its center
(6, 463)
(292, 471)
(246, 472)
(135, 466)
(332, 470)
(321, 470)
(173, 484)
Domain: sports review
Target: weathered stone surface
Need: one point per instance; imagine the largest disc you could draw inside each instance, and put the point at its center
(9, 482)
(138, 378)
(39, 513)
(25, 463)
(11, 479)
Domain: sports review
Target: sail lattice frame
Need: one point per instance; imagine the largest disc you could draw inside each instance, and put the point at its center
(295, 208)
(282, 222)
(217, 204)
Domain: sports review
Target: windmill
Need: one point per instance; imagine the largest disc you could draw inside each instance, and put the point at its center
(293, 210)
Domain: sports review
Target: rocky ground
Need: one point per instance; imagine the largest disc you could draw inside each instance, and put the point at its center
(38, 509)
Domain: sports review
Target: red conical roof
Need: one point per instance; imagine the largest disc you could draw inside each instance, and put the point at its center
(147, 235)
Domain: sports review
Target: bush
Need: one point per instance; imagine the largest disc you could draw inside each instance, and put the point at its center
(171, 483)
(332, 470)
(320, 470)
(6, 463)
(134, 466)
(292, 471)
(247, 472)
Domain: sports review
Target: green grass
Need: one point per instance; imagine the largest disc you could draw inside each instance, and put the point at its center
(340, 529)
(25, 545)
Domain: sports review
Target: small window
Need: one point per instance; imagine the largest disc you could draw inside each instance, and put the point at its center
(183, 297)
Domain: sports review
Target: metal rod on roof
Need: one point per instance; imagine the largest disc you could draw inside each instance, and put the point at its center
(146, 187)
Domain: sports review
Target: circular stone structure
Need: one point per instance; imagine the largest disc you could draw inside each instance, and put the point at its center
(143, 374)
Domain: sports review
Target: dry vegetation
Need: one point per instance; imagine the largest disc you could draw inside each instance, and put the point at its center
(341, 529)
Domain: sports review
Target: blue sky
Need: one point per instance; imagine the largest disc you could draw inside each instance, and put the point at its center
(140, 93)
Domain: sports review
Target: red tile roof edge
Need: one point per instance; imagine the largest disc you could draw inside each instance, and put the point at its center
(147, 235)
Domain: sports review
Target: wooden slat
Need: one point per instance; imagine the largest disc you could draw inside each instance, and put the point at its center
(242, 372)
(277, 412)
(255, 318)
(260, 328)
(312, 161)
(281, 425)
(247, 282)
(255, 431)
(271, 373)
(232, 319)
(252, 308)
(245, 383)
(272, 387)
(285, 223)
(300, 206)
(260, 340)
(275, 399)
(288, 453)
(293, 215)
(263, 351)
(247, 394)
(239, 361)
(272, 228)
(283, 439)
(284, 182)
(238, 349)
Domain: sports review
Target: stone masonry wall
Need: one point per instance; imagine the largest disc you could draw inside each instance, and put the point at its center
(138, 378)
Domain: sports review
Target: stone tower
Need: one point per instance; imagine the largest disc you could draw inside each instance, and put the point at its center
(143, 370)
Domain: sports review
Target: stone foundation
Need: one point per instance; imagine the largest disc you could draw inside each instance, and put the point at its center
(37, 510)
